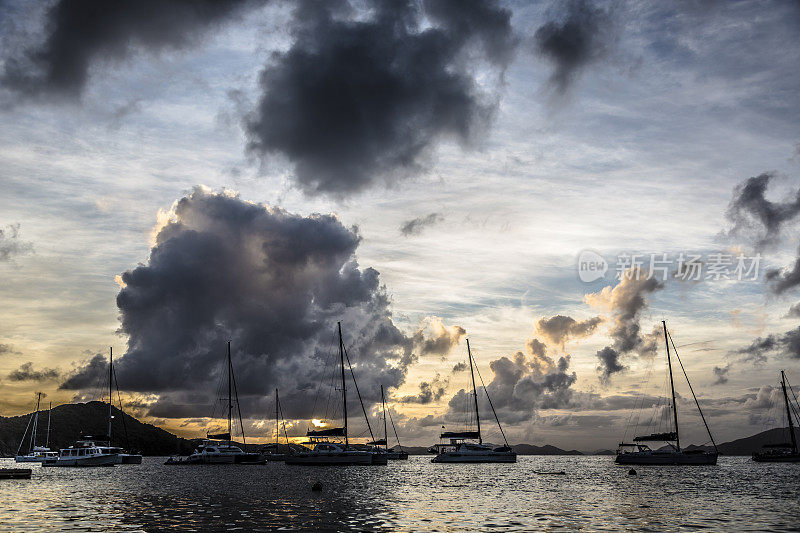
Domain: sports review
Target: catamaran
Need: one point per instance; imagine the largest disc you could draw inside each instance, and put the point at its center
(462, 446)
(639, 453)
(219, 448)
(36, 454)
(784, 452)
(327, 449)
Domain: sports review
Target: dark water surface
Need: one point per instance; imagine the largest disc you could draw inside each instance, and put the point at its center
(413, 495)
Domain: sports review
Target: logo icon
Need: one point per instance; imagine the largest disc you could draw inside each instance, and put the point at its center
(591, 266)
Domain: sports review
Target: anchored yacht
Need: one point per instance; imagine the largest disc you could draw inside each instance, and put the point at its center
(783, 452)
(639, 452)
(83, 453)
(462, 446)
(36, 454)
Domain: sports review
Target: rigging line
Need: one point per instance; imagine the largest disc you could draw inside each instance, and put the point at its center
(391, 419)
(22, 440)
(364, 409)
(796, 414)
(280, 410)
(638, 400)
(319, 386)
(238, 406)
(710, 436)
(119, 399)
(491, 405)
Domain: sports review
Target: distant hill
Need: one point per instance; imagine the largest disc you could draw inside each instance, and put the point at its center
(748, 445)
(530, 449)
(71, 421)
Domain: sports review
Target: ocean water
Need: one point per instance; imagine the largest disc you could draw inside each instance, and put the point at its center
(414, 495)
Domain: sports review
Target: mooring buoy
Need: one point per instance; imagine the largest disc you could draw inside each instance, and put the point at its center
(631, 472)
(316, 487)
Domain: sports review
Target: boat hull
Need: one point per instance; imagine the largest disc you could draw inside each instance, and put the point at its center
(397, 456)
(94, 460)
(491, 457)
(29, 459)
(129, 459)
(656, 458)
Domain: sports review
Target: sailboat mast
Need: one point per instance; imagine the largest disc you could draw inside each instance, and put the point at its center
(385, 434)
(230, 394)
(788, 412)
(474, 393)
(110, 382)
(35, 424)
(49, 414)
(344, 386)
(672, 387)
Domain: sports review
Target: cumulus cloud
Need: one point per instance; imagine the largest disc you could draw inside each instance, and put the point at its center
(781, 280)
(434, 338)
(580, 35)
(360, 99)
(721, 374)
(88, 374)
(26, 372)
(559, 329)
(429, 391)
(78, 35)
(275, 284)
(10, 244)
(459, 367)
(625, 303)
(521, 384)
(415, 226)
(754, 217)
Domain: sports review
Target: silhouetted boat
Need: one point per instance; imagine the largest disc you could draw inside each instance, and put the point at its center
(784, 452)
(36, 454)
(331, 452)
(393, 454)
(462, 447)
(272, 452)
(219, 448)
(123, 456)
(84, 452)
(639, 453)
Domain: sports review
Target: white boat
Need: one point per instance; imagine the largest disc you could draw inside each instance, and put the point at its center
(83, 453)
(123, 458)
(213, 452)
(36, 454)
(639, 453)
(461, 446)
(219, 448)
(326, 450)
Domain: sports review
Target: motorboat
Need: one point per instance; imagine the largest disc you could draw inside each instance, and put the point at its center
(83, 453)
(212, 452)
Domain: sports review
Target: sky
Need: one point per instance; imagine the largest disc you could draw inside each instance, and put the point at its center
(549, 180)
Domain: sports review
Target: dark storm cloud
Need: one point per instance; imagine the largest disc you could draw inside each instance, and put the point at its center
(560, 329)
(416, 225)
(429, 391)
(780, 344)
(26, 372)
(626, 302)
(358, 100)
(579, 36)
(459, 367)
(754, 217)
(88, 375)
(79, 34)
(721, 374)
(11, 245)
(275, 284)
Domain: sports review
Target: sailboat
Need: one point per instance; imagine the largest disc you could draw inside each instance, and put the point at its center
(639, 453)
(785, 452)
(462, 447)
(390, 454)
(123, 457)
(272, 452)
(219, 448)
(36, 454)
(326, 450)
